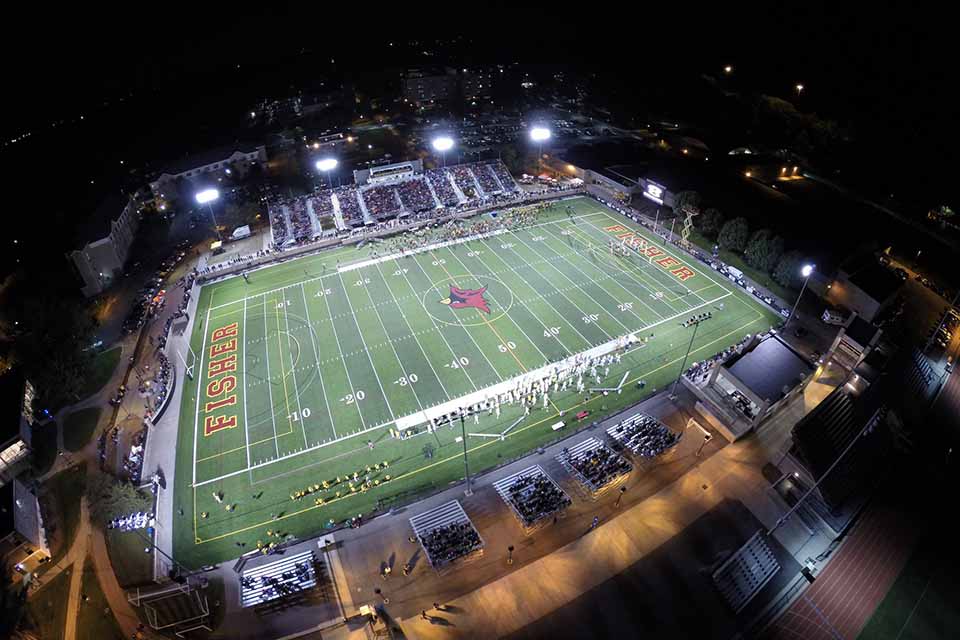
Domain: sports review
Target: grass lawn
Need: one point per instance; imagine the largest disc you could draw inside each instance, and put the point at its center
(736, 260)
(78, 428)
(61, 496)
(95, 619)
(308, 373)
(102, 368)
(43, 446)
(132, 566)
(48, 607)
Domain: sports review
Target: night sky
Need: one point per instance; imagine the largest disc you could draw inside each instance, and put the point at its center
(159, 81)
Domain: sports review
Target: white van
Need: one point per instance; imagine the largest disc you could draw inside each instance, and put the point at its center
(832, 317)
(735, 272)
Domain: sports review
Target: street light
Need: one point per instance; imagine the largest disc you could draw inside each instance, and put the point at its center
(443, 144)
(326, 165)
(805, 271)
(728, 69)
(799, 88)
(208, 197)
(539, 135)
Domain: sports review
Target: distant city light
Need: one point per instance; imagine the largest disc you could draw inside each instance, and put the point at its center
(443, 143)
(207, 196)
(806, 270)
(799, 88)
(539, 134)
(327, 164)
(728, 69)
(748, 174)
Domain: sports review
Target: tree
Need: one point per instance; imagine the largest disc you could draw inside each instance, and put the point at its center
(109, 498)
(787, 272)
(709, 222)
(763, 250)
(690, 199)
(733, 234)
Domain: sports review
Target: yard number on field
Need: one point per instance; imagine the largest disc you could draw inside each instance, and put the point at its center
(405, 380)
(296, 415)
(350, 398)
(322, 292)
(510, 346)
(551, 332)
(462, 361)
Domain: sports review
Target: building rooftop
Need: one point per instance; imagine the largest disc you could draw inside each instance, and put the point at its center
(861, 331)
(876, 280)
(769, 368)
(97, 225)
(204, 158)
(11, 398)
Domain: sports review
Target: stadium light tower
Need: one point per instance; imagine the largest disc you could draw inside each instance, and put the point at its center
(539, 135)
(208, 197)
(326, 165)
(443, 144)
(805, 271)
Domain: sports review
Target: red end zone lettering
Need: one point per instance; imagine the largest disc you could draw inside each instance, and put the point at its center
(228, 331)
(669, 261)
(216, 367)
(211, 425)
(224, 347)
(616, 228)
(684, 273)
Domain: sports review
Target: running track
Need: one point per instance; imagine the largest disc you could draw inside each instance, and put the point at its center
(844, 596)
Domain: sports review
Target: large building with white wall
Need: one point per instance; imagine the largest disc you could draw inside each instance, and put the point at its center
(107, 238)
(204, 166)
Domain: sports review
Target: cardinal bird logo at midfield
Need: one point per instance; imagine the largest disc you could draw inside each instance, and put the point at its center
(466, 299)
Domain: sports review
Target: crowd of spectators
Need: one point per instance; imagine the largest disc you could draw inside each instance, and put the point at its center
(291, 581)
(138, 520)
(598, 466)
(698, 372)
(382, 202)
(488, 182)
(646, 436)
(464, 179)
(440, 181)
(300, 219)
(278, 225)
(349, 206)
(187, 283)
(133, 461)
(450, 542)
(536, 497)
(323, 209)
(503, 175)
(416, 196)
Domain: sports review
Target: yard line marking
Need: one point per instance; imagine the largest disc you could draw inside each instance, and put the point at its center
(333, 272)
(246, 423)
(396, 355)
(584, 291)
(515, 323)
(364, 342)
(196, 423)
(316, 357)
(633, 295)
(410, 328)
(465, 329)
(485, 321)
(293, 370)
(346, 369)
(540, 296)
(266, 344)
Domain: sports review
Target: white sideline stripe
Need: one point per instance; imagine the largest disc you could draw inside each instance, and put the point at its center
(196, 420)
(450, 406)
(333, 273)
(430, 247)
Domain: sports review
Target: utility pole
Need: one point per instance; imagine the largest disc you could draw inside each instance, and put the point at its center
(696, 323)
(466, 466)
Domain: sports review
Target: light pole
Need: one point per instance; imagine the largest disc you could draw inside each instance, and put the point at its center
(326, 165)
(695, 321)
(623, 490)
(805, 272)
(466, 467)
(510, 555)
(799, 88)
(207, 197)
(539, 135)
(443, 144)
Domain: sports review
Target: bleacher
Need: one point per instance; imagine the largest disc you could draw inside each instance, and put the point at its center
(323, 210)
(302, 225)
(532, 496)
(415, 195)
(440, 181)
(464, 179)
(643, 435)
(488, 182)
(278, 226)
(499, 170)
(382, 202)
(447, 535)
(595, 466)
(290, 576)
(349, 206)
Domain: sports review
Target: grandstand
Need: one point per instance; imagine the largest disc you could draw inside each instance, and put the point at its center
(385, 193)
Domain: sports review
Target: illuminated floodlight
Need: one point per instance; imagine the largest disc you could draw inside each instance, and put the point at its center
(806, 270)
(207, 196)
(443, 143)
(539, 134)
(327, 164)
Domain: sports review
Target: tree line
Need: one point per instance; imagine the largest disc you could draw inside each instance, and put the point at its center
(762, 249)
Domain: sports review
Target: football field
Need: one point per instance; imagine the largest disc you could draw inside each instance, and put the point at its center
(307, 374)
